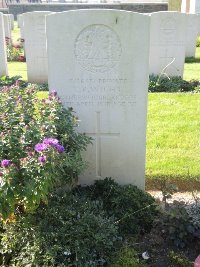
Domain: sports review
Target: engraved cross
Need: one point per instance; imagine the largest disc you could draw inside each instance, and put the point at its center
(98, 136)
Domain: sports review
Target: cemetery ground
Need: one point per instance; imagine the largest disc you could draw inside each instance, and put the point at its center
(104, 224)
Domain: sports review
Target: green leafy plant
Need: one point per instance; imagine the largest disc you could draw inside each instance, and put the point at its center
(8, 81)
(128, 257)
(15, 52)
(170, 84)
(39, 148)
(134, 209)
(178, 260)
(71, 231)
(179, 227)
(198, 42)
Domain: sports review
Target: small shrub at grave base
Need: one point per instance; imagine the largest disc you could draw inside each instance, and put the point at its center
(30, 166)
(127, 256)
(134, 209)
(178, 260)
(171, 84)
(198, 42)
(179, 227)
(70, 231)
(15, 52)
(8, 81)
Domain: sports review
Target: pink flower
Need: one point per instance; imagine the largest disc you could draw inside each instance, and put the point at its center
(42, 159)
(197, 262)
(5, 163)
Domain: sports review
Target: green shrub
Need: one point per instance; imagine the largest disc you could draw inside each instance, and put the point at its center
(179, 227)
(70, 231)
(8, 81)
(178, 260)
(193, 211)
(134, 209)
(170, 84)
(198, 42)
(29, 168)
(127, 257)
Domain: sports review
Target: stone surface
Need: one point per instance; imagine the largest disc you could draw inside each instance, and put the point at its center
(195, 6)
(167, 43)
(11, 18)
(191, 35)
(59, 7)
(7, 26)
(100, 69)
(35, 46)
(3, 60)
(185, 6)
(174, 5)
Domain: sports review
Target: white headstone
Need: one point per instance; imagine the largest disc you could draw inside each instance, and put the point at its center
(195, 6)
(11, 20)
(167, 43)
(35, 46)
(3, 59)
(98, 63)
(191, 35)
(7, 26)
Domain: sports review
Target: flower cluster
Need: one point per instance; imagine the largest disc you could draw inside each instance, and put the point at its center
(32, 160)
(49, 142)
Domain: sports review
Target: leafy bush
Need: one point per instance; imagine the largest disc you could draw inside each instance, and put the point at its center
(30, 165)
(71, 231)
(178, 260)
(127, 257)
(15, 52)
(194, 214)
(172, 84)
(134, 209)
(198, 42)
(179, 227)
(8, 81)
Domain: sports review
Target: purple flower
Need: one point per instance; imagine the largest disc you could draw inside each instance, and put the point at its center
(5, 163)
(42, 159)
(54, 93)
(50, 141)
(59, 148)
(40, 147)
(1, 173)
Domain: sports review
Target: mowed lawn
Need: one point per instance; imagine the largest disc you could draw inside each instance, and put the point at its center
(173, 131)
(173, 138)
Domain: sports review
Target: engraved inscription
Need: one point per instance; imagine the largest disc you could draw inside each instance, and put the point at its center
(168, 29)
(99, 92)
(97, 48)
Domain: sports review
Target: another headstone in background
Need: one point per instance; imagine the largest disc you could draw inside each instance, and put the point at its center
(7, 26)
(20, 22)
(191, 34)
(185, 6)
(195, 6)
(3, 57)
(167, 43)
(98, 63)
(174, 5)
(11, 17)
(35, 46)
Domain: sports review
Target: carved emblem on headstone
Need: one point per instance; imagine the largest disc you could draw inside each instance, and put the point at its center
(97, 48)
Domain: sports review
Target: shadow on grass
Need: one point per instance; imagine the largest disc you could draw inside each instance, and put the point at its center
(191, 183)
(192, 60)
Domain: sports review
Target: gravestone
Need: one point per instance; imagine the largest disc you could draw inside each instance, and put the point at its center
(174, 5)
(3, 59)
(186, 6)
(98, 63)
(35, 46)
(191, 35)
(167, 43)
(195, 6)
(7, 26)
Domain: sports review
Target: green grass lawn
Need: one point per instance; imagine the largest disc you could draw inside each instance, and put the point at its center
(192, 68)
(173, 137)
